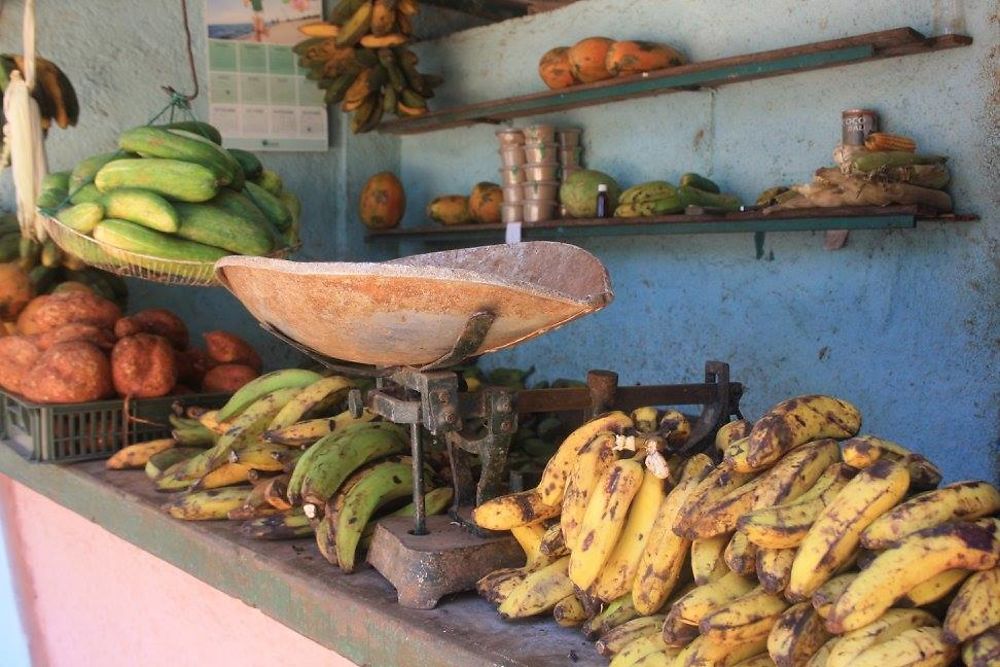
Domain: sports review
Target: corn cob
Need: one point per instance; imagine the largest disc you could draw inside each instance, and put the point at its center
(883, 141)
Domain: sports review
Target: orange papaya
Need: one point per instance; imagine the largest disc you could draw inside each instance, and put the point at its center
(587, 57)
(383, 201)
(633, 57)
(554, 68)
(485, 201)
(450, 210)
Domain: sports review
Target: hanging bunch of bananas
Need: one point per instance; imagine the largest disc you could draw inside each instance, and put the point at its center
(53, 91)
(358, 56)
(805, 545)
(284, 456)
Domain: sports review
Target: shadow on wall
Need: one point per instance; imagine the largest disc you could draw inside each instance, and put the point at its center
(13, 641)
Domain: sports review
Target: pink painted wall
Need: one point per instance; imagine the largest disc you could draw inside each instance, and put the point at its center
(90, 598)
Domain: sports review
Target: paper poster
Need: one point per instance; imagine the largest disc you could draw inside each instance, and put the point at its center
(258, 96)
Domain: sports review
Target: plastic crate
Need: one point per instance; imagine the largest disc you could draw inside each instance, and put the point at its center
(85, 431)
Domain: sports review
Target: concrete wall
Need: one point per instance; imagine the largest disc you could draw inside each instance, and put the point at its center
(904, 323)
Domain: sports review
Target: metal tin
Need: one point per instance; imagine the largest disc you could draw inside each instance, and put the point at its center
(541, 171)
(540, 152)
(569, 136)
(512, 175)
(510, 137)
(512, 155)
(541, 190)
(513, 194)
(511, 213)
(539, 211)
(856, 125)
(540, 134)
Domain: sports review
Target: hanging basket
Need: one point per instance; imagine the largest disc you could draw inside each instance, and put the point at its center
(132, 264)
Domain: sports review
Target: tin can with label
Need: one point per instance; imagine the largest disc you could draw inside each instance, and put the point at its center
(856, 125)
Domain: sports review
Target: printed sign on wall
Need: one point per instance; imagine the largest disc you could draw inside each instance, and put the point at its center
(259, 98)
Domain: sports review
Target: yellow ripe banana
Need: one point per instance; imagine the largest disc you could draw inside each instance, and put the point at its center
(275, 492)
(228, 474)
(638, 649)
(614, 640)
(604, 520)
(556, 473)
(593, 460)
(662, 562)
(975, 608)
(703, 600)
(553, 545)
(137, 455)
(322, 390)
(919, 647)
(259, 455)
(619, 571)
(305, 433)
(383, 17)
(320, 29)
(705, 652)
(984, 650)
(730, 432)
(925, 554)
(207, 505)
(496, 586)
(827, 594)
(569, 612)
(529, 537)
(249, 425)
(797, 636)
(819, 658)
(515, 509)
(677, 633)
(646, 419)
(759, 660)
(741, 554)
(793, 475)
(539, 592)
(794, 422)
(774, 567)
(674, 428)
(748, 618)
(960, 501)
(785, 526)
(717, 485)
(615, 613)
(708, 561)
(835, 534)
(861, 451)
(932, 589)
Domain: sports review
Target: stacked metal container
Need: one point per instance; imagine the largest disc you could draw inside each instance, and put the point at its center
(532, 161)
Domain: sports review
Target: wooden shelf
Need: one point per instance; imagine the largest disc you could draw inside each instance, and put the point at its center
(709, 73)
(793, 220)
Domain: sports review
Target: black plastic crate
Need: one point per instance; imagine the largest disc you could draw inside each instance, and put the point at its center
(85, 431)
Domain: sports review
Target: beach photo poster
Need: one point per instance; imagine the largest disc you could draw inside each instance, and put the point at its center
(259, 97)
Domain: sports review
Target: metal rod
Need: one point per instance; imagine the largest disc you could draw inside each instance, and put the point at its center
(420, 513)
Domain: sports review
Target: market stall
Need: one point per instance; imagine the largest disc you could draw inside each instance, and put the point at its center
(691, 376)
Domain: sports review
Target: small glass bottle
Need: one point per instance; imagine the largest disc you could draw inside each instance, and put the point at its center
(602, 201)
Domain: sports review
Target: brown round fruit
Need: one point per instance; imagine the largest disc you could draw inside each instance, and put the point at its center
(143, 366)
(587, 58)
(15, 290)
(383, 201)
(484, 203)
(555, 70)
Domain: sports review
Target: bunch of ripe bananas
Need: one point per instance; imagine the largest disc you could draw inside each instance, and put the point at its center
(358, 56)
(807, 544)
(53, 91)
(283, 456)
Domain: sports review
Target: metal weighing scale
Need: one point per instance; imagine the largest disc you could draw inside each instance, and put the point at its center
(405, 323)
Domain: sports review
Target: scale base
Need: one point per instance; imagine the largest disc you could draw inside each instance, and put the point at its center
(449, 559)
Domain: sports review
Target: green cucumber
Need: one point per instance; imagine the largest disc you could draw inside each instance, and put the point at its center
(270, 181)
(135, 238)
(700, 182)
(276, 212)
(175, 179)
(88, 193)
(690, 196)
(85, 170)
(57, 180)
(155, 142)
(240, 205)
(228, 162)
(251, 165)
(10, 247)
(143, 207)
(293, 204)
(81, 217)
(215, 226)
(51, 198)
(868, 162)
(196, 127)
(44, 278)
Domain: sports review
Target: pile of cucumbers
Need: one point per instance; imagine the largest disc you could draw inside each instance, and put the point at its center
(173, 192)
